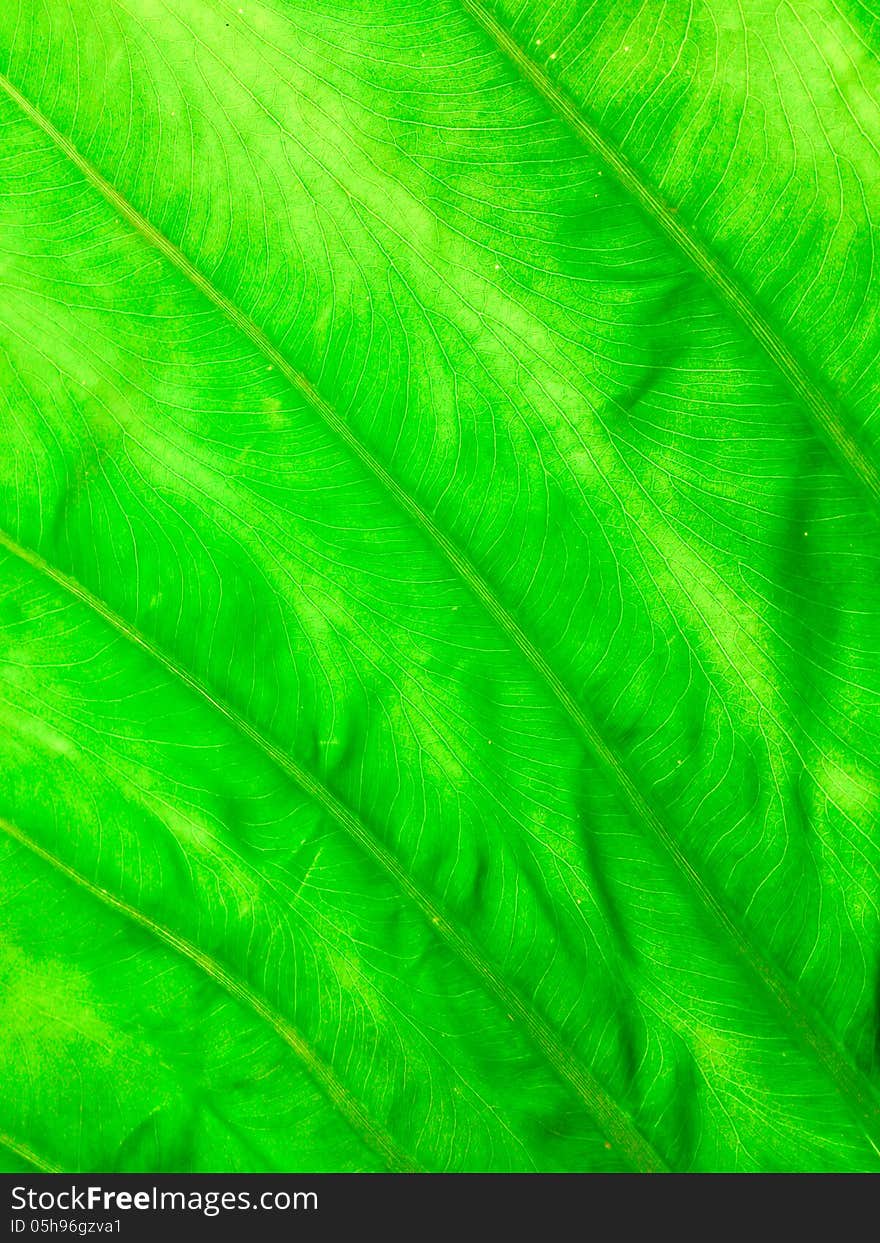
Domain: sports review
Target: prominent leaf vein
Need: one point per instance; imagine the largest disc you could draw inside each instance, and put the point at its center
(851, 1082)
(796, 376)
(611, 1116)
(320, 1072)
(27, 1154)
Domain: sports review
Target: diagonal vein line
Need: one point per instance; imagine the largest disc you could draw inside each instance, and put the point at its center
(28, 1154)
(321, 1073)
(811, 1030)
(612, 1118)
(826, 418)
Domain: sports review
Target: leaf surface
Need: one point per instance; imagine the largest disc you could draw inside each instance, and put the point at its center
(439, 586)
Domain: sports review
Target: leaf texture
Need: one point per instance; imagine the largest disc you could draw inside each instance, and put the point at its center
(439, 598)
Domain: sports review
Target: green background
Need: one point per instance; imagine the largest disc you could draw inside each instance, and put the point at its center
(439, 596)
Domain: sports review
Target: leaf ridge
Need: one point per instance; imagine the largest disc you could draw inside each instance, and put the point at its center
(28, 1154)
(811, 1030)
(613, 1119)
(323, 1075)
(842, 442)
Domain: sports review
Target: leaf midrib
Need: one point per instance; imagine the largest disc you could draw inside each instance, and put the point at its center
(710, 267)
(851, 1082)
(323, 1075)
(613, 1119)
(27, 1154)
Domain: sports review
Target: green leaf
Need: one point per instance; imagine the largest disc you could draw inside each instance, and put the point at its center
(439, 593)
